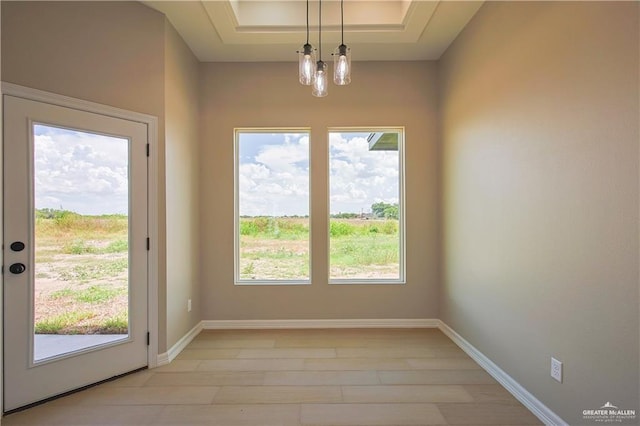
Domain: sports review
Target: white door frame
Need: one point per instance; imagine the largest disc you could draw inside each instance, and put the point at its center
(152, 134)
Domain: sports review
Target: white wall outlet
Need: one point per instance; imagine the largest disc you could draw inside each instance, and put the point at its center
(189, 305)
(556, 369)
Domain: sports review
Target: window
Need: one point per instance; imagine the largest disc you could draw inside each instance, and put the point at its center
(272, 207)
(366, 235)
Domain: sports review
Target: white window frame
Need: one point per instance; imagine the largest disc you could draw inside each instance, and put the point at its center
(236, 218)
(401, 205)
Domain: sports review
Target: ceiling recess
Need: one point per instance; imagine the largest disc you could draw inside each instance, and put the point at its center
(270, 31)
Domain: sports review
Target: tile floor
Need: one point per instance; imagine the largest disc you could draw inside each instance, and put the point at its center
(297, 377)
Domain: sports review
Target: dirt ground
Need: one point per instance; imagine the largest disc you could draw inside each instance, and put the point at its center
(61, 277)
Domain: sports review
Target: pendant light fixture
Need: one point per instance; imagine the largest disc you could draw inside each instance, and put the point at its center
(306, 59)
(320, 82)
(342, 56)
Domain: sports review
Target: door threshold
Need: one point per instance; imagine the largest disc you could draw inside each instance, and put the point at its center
(71, 392)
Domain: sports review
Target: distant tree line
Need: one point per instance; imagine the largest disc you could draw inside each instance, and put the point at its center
(379, 210)
(386, 211)
(48, 213)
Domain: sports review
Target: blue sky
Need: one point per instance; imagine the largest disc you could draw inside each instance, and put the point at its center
(274, 174)
(88, 173)
(359, 177)
(79, 171)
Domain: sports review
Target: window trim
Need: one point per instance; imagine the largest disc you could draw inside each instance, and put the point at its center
(236, 207)
(401, 280)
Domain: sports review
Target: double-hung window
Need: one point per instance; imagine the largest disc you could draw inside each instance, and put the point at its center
(366, 225)
(272, 207)
(365, 204)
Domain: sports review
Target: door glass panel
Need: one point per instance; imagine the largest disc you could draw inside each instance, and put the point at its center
(81, 240)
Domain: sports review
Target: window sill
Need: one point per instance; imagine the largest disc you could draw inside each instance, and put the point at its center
(364, 281)
(272, 282)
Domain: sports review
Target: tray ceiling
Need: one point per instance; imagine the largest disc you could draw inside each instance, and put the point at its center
(272, 30)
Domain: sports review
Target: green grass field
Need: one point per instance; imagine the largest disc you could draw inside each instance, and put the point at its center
(81, 273)
(278, 248)
(82, 263)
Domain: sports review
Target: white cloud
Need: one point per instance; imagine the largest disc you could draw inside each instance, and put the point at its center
(285, 157)
(275, 181)
(82, 172)
(359, 177)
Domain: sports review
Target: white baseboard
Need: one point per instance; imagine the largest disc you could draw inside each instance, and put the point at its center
(318, 323)
(534, 405)
(174, 351)
(162, 359)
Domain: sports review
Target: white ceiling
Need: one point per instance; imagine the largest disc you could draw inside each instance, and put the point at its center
(273, 30)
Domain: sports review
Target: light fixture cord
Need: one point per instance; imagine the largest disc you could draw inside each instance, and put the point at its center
(307, 21)
(342, 21)
(320, 28)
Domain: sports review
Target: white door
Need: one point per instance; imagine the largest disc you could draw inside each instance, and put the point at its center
(75, 249)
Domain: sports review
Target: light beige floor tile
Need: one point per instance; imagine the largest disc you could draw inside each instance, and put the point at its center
(356, 364)
(160, 395)
(178, 365)
(82, 415)
(450, 352)
(490, 393)
(277, 394)
(371, 414)
(328, 342)
(235, 334)
(417, 340)
(208, 354)
(287, 353)
(134, 379)
(231, 344)
(321, 378)
(202, 378)
(230, 415)
(251, 365)
(405, 393)
(403, 374)
(399, 352)
(442, 364)
(411, 336)
(263, 334)
(487, 414)
(435, 377)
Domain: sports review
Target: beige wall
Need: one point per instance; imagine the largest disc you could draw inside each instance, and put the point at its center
(539, 106)
(1, 234)
(182, 154)
(113, 53)
(106, 52)
(539, 156)
(382, 94)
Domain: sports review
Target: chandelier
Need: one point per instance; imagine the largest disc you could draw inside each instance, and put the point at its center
(314, 73)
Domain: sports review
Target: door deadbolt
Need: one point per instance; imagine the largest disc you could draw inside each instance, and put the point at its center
(17, 268)
(17, 246)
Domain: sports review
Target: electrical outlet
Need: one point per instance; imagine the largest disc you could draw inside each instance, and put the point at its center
(556, 369)
(189, 305)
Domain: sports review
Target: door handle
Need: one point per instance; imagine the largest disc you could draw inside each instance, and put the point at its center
(17, 268)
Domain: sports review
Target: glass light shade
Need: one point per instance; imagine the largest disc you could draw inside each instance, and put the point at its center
(307, 63)
(342, 65)
(320, 83)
